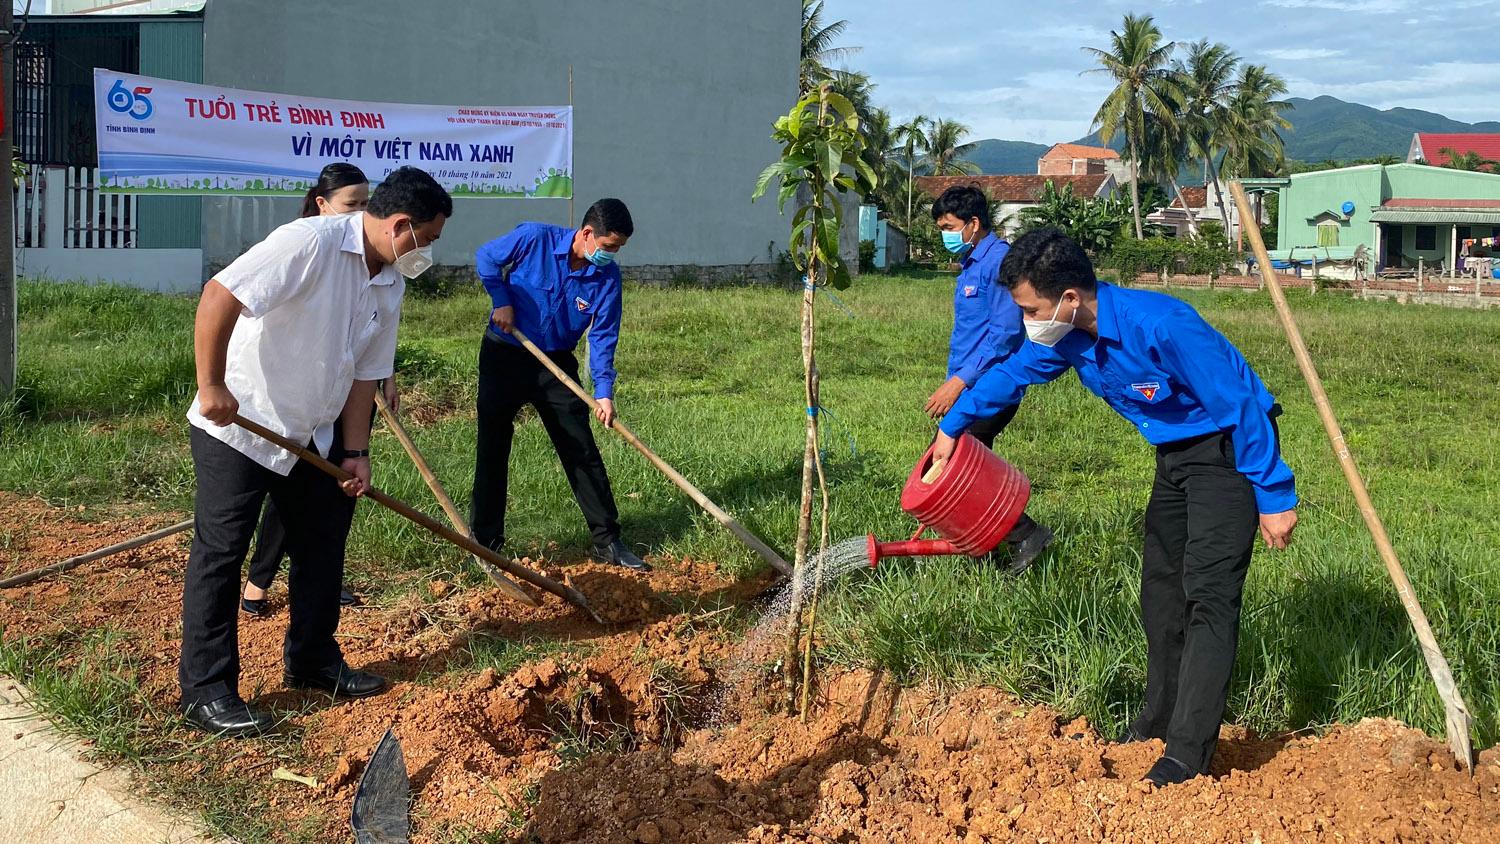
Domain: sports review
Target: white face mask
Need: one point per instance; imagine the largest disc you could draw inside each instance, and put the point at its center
(1048, 332)
(415, 262)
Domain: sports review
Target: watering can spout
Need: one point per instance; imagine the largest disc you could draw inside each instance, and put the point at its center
(914, 548)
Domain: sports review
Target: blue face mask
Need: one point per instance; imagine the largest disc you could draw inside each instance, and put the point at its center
(601, 258)
(954, 242)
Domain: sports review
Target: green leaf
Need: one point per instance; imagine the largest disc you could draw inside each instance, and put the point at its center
(838, 276)
(846, 111)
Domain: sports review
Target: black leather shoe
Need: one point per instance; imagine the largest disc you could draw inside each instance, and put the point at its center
(1169, 771)
(228, 716)
(338, 680)
(256, 608)
(619, 555)
(347, 598)
(1025, 551)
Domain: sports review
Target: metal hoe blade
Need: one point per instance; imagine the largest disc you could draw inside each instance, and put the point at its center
(383, 798)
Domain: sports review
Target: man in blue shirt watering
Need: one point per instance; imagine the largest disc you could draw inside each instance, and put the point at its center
(1219, 472)
(554, 284)
(986, 328)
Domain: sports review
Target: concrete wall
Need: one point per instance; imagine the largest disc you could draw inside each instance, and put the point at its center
(1311, 194)
(674, 104)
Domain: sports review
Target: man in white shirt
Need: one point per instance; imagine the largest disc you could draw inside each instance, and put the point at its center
(293, 335)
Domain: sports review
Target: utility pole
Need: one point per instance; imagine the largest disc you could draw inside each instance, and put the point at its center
(7, 204)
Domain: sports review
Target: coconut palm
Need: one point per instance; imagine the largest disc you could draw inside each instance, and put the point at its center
(1137, 59)
(911, 138)
(1256, 119)
(818, 45)
(945, 149)
(1163, 151)
(1471, 160)
(1207, 81)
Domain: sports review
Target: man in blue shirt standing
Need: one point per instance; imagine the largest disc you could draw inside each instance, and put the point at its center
(986, 328)
(1219, 472)
(554, 284)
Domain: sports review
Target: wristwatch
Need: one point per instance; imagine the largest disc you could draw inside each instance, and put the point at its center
(356, 452)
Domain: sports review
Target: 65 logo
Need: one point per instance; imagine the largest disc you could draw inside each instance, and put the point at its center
(132, 102)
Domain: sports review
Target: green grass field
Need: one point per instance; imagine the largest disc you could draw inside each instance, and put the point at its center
(711, 379)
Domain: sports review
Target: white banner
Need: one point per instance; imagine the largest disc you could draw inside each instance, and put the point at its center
(161, 136)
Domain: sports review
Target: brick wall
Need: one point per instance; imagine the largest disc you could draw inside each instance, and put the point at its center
(1442, 291)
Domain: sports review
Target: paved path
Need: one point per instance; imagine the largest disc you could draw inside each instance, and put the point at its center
(50, 795)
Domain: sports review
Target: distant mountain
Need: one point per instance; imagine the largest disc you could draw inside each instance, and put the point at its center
(1002, 158)
(1327, 128)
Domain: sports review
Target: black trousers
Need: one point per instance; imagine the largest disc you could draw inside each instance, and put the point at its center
(509, 379)
(316, 514)
(1200, 531)
(270, 537)
(986, 430)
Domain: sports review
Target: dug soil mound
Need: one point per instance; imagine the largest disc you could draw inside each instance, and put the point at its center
(539, 724)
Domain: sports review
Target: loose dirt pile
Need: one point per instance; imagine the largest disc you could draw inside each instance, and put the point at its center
(598, 736)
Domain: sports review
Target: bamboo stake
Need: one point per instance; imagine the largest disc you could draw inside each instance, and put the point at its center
(561, 590)
(1442, 676)
(571, 161)
(74, 562)
(750, 540)
(506, 585)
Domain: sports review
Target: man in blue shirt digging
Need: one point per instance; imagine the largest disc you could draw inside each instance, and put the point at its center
(554, 284)
(986, 328)
(1219, 472)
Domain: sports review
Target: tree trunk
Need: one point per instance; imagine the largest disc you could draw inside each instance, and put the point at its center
(1191, 220)
(1213, 174)
(911, 167)
(809, 465)
(1135, 189)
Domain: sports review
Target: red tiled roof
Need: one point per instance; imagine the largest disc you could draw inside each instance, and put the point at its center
(1013, 188)
(1073, 151)
(1196, 198)
(1487, 145)
(1406, 202)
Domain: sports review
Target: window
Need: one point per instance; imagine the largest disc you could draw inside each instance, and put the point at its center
(1328, 233)
(1426, 237)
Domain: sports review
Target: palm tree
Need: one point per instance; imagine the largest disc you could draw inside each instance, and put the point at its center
(1256, 119)
(1471, 160)
(945, 149)
(881, 153)
(1163, 151)
(1207, 81)
(818, 50)
(911, 137)
(1137, 61)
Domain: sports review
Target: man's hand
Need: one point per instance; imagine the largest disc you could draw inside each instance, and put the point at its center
(504, 318)
(942, 401)
(392, 397)
(942, 447)
(604, 411)
(359, 467)
(1276, 528)
(217, 404)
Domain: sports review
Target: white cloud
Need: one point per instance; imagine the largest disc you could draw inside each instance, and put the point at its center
(1374, 7)
(1299, 54)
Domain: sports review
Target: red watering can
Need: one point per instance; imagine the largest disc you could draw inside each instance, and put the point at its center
(972, 501)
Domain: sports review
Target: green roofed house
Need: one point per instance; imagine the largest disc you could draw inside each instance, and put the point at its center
(1395, 215)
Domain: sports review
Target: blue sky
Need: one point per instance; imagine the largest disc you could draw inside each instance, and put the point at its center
(1011, 69)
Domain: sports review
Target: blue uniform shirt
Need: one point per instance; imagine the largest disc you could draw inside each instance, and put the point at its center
(986, 322)
(554, 303)
(1163, 368)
